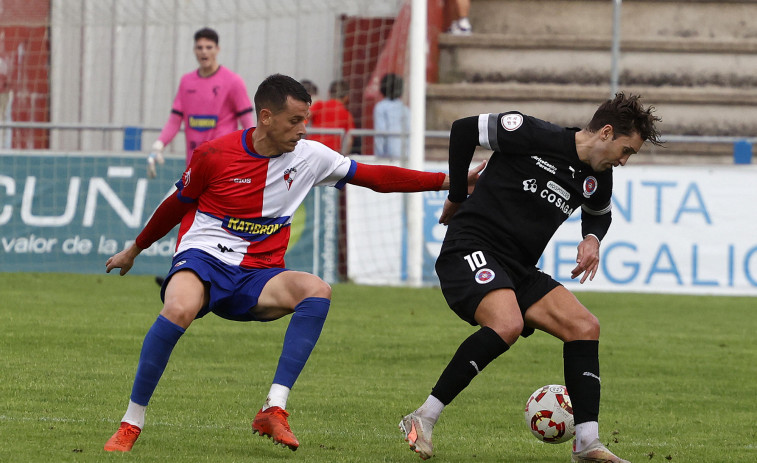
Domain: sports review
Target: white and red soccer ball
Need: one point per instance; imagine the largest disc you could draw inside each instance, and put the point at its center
(549, 414)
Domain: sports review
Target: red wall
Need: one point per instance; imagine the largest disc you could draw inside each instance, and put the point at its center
(25, 48)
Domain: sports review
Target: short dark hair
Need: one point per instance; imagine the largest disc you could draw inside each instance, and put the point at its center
(391, 86)
(272, 93)
(626, 115)
(207, 33)
(310, 86)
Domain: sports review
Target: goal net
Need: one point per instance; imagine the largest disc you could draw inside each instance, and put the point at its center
(100, 76)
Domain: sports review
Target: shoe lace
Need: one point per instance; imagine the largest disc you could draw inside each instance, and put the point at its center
(126, 433)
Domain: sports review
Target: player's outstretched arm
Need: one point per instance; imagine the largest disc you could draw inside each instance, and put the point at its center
(390, 179)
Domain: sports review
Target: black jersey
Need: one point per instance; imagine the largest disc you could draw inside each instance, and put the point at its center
(533, 182)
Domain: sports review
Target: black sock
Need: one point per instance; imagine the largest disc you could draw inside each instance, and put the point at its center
(581, 366)
(473, 355)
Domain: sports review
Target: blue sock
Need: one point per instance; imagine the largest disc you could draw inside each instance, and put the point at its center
(300, 338)
(156, 349)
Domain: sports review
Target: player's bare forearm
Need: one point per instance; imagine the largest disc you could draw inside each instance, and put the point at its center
(587, 260)
(123, 260)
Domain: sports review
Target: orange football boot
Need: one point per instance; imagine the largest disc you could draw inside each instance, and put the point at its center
(272, 422)
(123, 440)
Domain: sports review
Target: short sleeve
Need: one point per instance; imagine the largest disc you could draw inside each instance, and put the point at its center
(329, 167)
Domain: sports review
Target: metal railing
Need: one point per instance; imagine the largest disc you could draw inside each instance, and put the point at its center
(348, 137)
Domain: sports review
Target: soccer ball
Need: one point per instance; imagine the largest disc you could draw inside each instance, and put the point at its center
(549, 414)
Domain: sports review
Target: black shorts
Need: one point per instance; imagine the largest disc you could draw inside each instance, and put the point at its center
(468, 272)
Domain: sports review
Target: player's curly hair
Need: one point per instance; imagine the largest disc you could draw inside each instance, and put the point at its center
(272, 93)
(627, 115)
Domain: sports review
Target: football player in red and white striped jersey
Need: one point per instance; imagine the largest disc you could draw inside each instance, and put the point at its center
(235, 203)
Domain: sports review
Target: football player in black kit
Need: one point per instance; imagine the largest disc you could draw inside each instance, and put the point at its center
(537, 176)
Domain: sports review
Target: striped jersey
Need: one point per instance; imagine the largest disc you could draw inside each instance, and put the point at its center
(245, 201)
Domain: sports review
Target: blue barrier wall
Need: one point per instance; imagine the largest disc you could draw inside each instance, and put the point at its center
(70, 213)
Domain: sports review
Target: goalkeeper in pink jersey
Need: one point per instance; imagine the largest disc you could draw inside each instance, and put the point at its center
(211, 101)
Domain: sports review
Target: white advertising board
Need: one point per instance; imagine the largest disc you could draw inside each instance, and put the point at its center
(676, 229)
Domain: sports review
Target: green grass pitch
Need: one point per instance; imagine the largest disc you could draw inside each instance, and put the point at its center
(678, 373)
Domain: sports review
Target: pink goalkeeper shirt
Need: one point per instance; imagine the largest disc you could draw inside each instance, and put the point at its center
(209, 107)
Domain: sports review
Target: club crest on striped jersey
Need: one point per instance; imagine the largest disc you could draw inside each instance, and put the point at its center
(590, 186)
(185, 178)
(484, 276)
(289, 175)
(511, 122)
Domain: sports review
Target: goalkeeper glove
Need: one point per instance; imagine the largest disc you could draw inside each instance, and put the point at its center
(155, 156)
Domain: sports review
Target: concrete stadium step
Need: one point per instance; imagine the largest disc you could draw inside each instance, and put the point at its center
(694, 60)
(706, 110)
(692, 19)
(587, 60)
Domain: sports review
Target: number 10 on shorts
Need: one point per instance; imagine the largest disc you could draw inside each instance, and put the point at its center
(475, 260)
